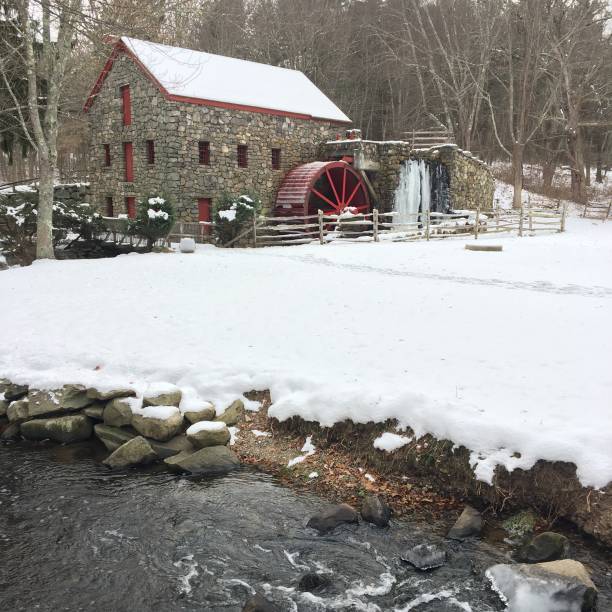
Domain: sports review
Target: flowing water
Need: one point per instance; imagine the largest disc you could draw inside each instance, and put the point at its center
(75, 536)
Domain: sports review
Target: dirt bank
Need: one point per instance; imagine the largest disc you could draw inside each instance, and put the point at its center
(425, 477)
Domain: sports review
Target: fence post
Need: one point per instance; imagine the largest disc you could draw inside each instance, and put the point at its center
(563, 213)
(254, 229)
(584, 212)
(427, 221)
(477, 226)
(375, 224)
(521, 220)
(530, 215)
(320, 214)
(608, 211)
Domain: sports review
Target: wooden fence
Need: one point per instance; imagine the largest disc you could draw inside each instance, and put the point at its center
(377, 226)
(597, 210)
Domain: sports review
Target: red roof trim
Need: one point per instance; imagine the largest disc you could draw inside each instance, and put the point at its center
(120, 47)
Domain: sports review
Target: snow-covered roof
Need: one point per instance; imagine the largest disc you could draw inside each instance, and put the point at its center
(204, 76)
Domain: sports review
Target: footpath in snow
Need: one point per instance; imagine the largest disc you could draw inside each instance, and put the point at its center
(506, 353)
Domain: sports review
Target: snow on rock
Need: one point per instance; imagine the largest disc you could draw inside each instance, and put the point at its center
(156, 412)
(390, 442)
(206, 426)
(506, 354)
(233, 435)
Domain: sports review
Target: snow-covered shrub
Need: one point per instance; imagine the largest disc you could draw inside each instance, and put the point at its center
(154, 219)
(18, 214)
(233, 214)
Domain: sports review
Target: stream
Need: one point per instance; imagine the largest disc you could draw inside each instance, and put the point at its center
(75, 536)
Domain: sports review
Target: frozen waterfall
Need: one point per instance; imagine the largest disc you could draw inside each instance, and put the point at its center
(413, 193)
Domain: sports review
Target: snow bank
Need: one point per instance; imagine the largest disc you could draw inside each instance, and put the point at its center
(507, 354)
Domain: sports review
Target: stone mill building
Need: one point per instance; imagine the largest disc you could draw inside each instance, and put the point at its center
(192, 125)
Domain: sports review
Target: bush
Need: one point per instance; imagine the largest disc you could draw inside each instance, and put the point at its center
(18, 214)
(232, 215)
(154, 219)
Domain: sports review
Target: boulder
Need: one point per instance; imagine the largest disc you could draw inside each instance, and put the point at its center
(208, 433)
(206, 413)
(172, 447)
(112, 437)
(558, 585)
(110, 394)
(118, 412)
(312, 582)
(211, 460)
(18, 410)
(521, 524)
(162, 394)
(66, 429)
(425, 556)
(12, 432)
(14, 392)
(4, 404)
(136, 451)
(333, 516)
(42, 402)
(95, 411)
(258, 603)
(468, 524)
(547, 546)
(233, 413)
(158, 422)
(375, 510)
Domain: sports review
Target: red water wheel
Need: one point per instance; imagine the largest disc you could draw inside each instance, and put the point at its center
(327, 186)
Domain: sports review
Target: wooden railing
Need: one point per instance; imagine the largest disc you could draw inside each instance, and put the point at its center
(597, 210)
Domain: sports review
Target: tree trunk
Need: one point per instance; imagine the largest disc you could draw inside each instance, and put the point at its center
(587, 162)
(44, 221)
(548, 173)
(517, 173)
(577, 164)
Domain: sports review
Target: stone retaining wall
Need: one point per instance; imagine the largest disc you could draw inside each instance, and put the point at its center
(69, 193)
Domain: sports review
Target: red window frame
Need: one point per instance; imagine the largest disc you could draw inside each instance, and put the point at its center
(130, 206)
(204, 152)
(242, 153)
(150, 151)
(107, 155)
(126, 104)
(276, 159)
(128, 157)
(109, 206)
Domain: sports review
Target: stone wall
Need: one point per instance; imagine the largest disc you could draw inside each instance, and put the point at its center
(471, 182)
(176, 128)
(69, 193)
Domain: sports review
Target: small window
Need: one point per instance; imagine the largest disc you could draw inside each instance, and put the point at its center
(128, 158)
(126, 105)
(150, 151)
(276, 159)
(109, 206)
(243, 156)
(204, 152)
(107, 155)
(130, 206)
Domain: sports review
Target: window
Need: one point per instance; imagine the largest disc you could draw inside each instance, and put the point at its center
(107, 155)
(130, 206)
(128, 158)
(109, 206)
(243, 156)
(126, 105)
(150, 151)
(204, 152)
(276, 159)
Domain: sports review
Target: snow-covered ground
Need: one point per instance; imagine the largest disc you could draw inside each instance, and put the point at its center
(505, 352)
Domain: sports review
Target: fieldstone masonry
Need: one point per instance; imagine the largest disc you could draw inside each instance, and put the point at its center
(471, 182)
(176, 129)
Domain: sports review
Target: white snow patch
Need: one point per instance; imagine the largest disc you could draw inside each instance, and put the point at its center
(308, 449)
(233, 435)
(156, 412)
(390, 442)
(206, 426)
(260, 434)
(313, 475)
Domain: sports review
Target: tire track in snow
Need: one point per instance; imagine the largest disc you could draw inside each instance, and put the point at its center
(540, 286)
